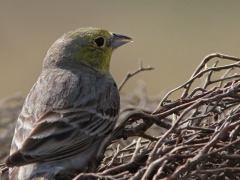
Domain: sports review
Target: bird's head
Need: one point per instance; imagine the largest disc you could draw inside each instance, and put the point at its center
(89, 46)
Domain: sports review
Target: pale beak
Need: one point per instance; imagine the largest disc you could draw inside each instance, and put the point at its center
(119, 40)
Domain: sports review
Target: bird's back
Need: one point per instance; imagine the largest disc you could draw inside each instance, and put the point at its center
(63, 121)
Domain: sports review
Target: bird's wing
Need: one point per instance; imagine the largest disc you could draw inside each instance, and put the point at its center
(64, 132)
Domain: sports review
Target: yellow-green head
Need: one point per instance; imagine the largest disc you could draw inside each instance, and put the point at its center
(89, 46)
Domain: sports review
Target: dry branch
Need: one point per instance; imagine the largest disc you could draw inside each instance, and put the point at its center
(129, 75)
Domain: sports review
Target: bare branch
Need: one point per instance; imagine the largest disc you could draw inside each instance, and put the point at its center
(129, 75)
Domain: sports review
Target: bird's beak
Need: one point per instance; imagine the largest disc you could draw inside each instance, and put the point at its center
(119, 40)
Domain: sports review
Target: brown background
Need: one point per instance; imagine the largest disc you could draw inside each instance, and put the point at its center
(172, 36)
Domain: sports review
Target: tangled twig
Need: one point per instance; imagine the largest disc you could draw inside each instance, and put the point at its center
(202, 140)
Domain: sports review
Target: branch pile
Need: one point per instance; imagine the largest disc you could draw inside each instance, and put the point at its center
(202, 141)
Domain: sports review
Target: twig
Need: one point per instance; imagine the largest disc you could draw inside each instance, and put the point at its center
(129, 75)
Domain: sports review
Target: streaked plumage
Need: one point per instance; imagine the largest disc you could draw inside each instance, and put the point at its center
(71, 108)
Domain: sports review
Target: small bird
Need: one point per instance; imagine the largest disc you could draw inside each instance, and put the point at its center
(71, 108)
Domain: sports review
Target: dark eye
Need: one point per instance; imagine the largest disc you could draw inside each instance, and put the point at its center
(99, 41)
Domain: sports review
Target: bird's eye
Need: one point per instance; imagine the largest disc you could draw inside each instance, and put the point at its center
(99, 41)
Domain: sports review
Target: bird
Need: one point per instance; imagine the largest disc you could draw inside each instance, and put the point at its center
(70, 110)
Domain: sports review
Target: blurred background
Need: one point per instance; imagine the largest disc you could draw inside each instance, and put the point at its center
(171, 36)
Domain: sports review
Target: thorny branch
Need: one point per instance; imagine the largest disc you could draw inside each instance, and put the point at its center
(202, 141)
